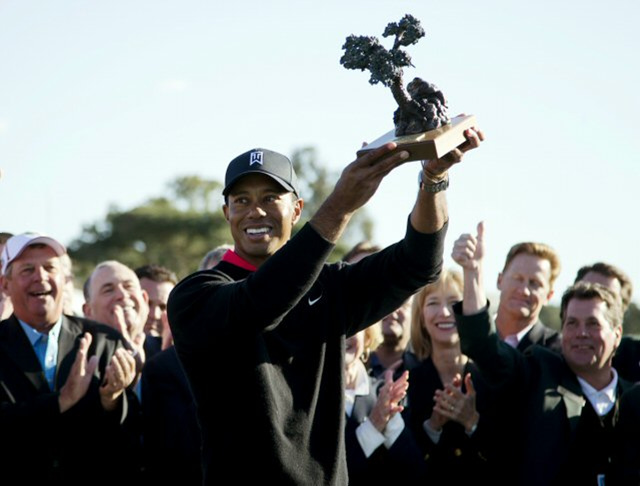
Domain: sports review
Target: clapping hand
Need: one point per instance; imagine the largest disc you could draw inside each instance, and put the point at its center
(389, 398)
(454, 404)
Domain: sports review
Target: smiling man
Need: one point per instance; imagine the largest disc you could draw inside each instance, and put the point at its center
(113, 296)
(561, 407)
(62, 378)
(627, 358)
(261, 336)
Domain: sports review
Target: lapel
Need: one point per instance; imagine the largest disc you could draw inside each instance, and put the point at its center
(574, 401)
(534, 336)
(69, 334)
(17, 347)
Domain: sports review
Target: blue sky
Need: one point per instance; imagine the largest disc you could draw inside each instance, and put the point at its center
(103, 103)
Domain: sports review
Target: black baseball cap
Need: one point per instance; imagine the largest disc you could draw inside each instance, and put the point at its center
(262, 161)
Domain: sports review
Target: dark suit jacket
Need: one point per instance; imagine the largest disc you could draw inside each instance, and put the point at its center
(172, 439)
(37, 442)
(627, 458)
(543, 388)
(543, 336)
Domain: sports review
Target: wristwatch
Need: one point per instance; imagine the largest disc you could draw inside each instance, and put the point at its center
(432, 186)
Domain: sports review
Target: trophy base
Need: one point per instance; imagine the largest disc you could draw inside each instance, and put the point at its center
(427, 145)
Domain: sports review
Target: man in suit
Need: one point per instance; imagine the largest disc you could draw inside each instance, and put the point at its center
(526, 286)
(567, 403)
(62, 378)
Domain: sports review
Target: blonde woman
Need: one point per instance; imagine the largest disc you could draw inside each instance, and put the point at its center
(442, 410)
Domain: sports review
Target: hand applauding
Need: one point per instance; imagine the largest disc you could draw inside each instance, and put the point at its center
(389, 398)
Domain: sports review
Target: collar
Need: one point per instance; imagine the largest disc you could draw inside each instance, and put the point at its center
(514, 339)
(34, 335)
(602, 400)
(232, 257)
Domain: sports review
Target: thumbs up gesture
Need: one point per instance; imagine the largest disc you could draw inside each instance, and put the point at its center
(468, 250)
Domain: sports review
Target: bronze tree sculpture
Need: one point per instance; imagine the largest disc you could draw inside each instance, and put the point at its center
(422, 106)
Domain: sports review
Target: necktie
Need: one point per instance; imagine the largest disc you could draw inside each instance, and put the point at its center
(46, 358)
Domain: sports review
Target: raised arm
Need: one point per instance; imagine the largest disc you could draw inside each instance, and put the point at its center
(499, 362)
(430, 212)
(357, 184)
(417, 259)
(468, 252)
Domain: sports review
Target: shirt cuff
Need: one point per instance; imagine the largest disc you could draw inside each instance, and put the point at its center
(369, 437)
(392, 431)
(433, 434)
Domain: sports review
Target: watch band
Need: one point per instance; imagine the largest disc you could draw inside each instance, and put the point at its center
(432, 186)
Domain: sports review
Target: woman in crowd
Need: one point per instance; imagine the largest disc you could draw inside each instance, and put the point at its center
(441, 410)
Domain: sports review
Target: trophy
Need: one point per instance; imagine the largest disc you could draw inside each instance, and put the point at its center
(422, 126)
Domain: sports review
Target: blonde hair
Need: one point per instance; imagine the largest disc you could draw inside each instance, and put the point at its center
(540, 250)
(420, 339)
(372, 338)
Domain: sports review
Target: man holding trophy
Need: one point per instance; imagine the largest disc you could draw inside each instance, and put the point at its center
(261, 336)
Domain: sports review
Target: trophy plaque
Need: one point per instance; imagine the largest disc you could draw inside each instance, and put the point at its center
(422, 126)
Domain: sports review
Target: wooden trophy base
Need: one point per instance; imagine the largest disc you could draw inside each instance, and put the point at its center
(427, 145)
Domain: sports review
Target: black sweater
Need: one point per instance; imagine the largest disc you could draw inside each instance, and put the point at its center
(264, 351)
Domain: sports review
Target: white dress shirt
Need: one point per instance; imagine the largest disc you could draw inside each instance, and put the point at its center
(601, 400)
